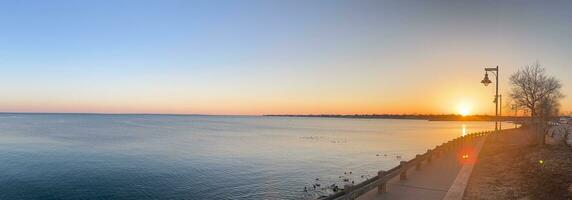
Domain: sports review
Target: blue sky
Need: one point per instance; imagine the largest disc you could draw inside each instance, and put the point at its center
(257, 57)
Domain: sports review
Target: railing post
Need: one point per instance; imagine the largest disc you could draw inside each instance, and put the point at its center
(429, 155)
(403, 175)
(382, 187)
(348, 192)
(448, 146)
(418, 161)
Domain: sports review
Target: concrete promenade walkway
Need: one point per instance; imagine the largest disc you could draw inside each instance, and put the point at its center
(432, 181)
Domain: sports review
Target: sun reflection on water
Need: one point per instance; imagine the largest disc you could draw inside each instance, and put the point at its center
(464, 130)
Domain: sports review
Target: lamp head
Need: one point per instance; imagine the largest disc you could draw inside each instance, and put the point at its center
(486, 81)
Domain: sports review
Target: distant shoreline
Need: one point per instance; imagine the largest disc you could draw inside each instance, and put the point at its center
(450, 117)
(71, 113)
(447, 117)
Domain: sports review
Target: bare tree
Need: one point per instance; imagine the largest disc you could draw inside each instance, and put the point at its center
(548, 108)
(540, 93)
(532, 88)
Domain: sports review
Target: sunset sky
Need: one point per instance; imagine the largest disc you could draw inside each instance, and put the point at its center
(273, 57)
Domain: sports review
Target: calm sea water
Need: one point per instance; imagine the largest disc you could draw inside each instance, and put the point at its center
(202, 157)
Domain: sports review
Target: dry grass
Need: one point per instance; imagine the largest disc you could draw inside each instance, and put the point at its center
(509, 168)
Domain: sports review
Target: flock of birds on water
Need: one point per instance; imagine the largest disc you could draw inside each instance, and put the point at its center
(345, 179)
(319, 187)
(318, 138)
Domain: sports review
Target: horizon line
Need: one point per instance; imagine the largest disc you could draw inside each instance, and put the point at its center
(200, 114)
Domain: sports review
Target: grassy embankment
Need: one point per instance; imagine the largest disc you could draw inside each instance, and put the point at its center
(509, 167)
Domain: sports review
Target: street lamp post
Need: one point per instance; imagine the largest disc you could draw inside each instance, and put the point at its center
(500, 112)
(515, 108)
(486, 81)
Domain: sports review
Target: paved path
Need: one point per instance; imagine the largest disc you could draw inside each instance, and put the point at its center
(431, 182)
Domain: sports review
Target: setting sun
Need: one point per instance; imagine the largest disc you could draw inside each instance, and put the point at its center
(464, 109)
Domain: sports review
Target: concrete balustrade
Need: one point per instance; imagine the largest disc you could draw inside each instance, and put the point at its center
(380, 181)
